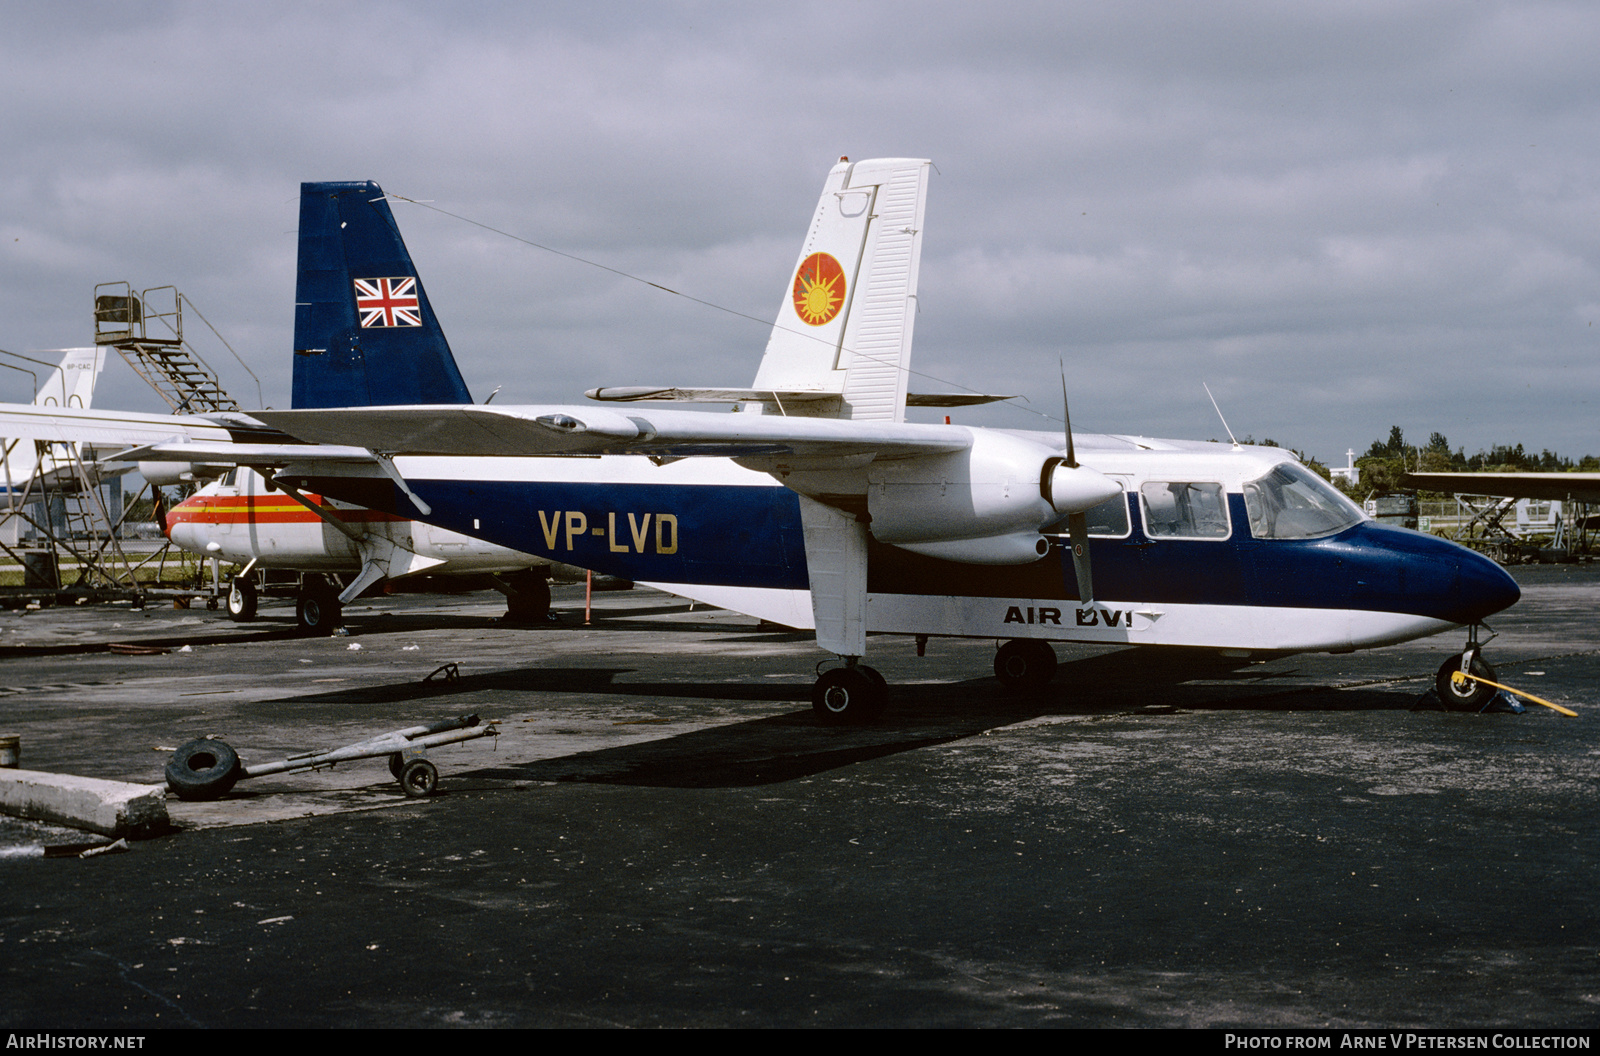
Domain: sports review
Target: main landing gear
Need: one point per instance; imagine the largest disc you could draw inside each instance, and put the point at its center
(527, 596)
(317, 611)
(1024, 664)
(856, 694)
(1467, 694)
(849, 695)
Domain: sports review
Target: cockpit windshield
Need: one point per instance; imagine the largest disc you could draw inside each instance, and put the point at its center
(1291, 502)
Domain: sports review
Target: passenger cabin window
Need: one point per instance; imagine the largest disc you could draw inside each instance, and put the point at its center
(1291, 502)
(1184, 510)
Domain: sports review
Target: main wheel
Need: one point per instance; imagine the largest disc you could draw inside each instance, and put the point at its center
(1024, 663)
(529, 600)
(849, 695)
(241, 600)
(419, 778)
(203, 769)
(317, 611)
(1467, 695)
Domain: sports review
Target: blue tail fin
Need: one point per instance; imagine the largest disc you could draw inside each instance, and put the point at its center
(364, 333)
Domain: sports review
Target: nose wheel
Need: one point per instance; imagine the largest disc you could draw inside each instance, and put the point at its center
(1467, 694)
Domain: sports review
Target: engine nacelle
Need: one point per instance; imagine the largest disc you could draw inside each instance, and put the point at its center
(162, 474)
(985, 505)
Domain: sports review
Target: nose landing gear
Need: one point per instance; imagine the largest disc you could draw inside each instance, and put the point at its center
(1467, 694)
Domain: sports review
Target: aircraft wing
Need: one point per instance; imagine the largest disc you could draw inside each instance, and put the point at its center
(572, 430)
(119, 429)
(1581, 487)
(223, 452)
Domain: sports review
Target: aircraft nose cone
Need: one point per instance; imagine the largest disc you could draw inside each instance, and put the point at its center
(1486, 588)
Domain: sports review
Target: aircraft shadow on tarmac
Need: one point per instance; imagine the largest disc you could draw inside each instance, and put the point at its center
(786, 747)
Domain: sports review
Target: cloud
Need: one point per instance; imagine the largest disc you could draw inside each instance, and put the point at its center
(1343, 216)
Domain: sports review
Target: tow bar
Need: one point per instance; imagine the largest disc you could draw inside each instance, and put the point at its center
(1460, 678)
(208, 768)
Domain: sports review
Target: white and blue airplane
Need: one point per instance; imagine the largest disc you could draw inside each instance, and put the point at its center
(817, 505)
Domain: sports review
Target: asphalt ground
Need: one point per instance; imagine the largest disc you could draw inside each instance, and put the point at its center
(663, 836)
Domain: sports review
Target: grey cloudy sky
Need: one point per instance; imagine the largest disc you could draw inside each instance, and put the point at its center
(1341, 216)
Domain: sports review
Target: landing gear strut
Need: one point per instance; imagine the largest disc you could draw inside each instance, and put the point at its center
(849, 695)
(1468, 694)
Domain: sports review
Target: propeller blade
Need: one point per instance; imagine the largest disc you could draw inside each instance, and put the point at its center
(1077, 518)
(1078, 533)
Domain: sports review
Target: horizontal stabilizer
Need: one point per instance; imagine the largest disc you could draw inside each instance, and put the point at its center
(661, 394)
(779, 398)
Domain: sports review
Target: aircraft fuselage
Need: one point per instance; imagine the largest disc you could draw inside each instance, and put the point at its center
(1189, 554)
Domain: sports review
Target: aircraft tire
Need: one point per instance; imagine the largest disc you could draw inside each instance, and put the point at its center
(203, 769)
(242, 600)
(419, 779)
(1024, 664)
(849, 696)
(529, 600)
(317, 611)
(1472, 696)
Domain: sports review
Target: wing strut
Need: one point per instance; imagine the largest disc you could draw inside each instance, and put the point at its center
(386, 463)
(381, 557)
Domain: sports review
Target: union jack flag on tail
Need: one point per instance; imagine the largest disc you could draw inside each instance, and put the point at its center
(388, 302)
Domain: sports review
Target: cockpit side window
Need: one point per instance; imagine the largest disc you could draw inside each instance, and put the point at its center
(1110, 518)
(1291, 502)
(1184, 510)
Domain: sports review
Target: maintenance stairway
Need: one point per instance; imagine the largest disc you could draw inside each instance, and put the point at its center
(165, 361)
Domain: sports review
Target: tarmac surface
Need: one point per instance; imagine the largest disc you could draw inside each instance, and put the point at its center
(663, 836)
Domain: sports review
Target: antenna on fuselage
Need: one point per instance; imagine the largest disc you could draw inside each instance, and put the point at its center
(1214, 406)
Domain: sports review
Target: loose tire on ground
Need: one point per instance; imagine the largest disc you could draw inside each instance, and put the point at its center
(1024, 663)
(203, 769)
(419, 778)
(849, 696)
(1470, 695)
(242, 600)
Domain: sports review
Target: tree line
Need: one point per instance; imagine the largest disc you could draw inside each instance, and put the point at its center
(1386, 461)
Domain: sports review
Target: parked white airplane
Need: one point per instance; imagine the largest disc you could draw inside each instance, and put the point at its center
(30, 468)
(819, 506)
(238, 519)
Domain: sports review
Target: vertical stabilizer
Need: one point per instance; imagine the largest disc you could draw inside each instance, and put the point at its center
(845, 322)
(364, 333)
(72, 383)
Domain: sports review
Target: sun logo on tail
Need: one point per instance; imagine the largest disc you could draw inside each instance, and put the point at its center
(819, 289)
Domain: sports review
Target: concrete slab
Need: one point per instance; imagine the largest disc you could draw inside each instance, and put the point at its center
(111, 808)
